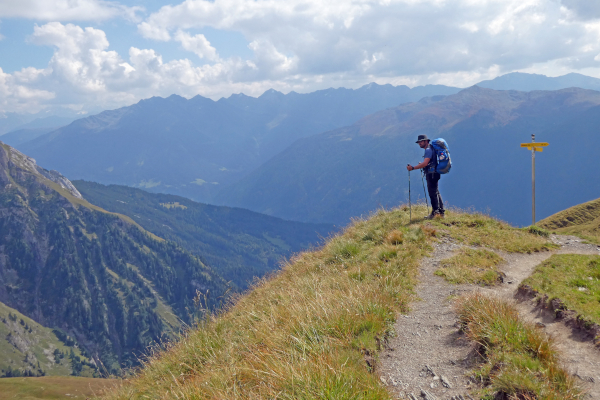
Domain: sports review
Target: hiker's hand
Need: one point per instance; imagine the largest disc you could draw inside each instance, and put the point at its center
(408, 167)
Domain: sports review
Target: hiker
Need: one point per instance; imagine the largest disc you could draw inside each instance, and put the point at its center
(429, 164)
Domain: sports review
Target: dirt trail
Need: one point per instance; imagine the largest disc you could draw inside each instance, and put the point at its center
(429, 359)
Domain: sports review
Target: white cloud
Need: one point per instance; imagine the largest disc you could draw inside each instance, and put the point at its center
(305, 45)
(83, 73)
(392, 37)
(197, 44)
(66, 10)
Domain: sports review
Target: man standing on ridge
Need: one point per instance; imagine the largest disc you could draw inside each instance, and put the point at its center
(429, 164)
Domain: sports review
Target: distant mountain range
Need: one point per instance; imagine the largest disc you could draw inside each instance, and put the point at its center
(211, 151)
(353, 170)
(196, 147)
(528, 82)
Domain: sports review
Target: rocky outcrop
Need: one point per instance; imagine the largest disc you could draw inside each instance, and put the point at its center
(11, 157)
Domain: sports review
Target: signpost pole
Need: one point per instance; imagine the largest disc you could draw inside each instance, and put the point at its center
(532, 181)
(533, 146)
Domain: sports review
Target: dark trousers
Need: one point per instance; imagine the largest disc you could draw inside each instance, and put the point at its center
(437, 204)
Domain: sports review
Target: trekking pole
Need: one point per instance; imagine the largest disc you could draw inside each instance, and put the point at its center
(425, 193)
(409, 205)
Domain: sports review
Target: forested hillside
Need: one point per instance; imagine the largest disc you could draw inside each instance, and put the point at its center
(96, 276)
(238, 244)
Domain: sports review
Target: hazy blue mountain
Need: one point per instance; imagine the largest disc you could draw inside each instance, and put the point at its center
(11, 121)
(238, 244)
(96, 278)
(52, 121)
(353, 170)
(196, 147)
(20, 136)
(528, 82)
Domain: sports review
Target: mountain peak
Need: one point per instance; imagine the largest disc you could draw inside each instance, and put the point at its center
(271, 93)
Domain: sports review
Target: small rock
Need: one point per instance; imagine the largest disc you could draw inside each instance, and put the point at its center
(435, 378)
(446, 382)
(382, 379)
(540, 324)
(428, 396)
(430, 370)
(585, 378)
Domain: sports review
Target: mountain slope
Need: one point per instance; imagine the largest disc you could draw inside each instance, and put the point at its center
(350, 171)
(581, 220)
(95, 275)
(238, 244)
(195, 147)
(30, 349)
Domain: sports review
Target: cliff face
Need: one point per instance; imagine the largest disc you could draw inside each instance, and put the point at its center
(70, 265)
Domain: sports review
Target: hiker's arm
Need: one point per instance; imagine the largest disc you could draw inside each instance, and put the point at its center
(419, 165)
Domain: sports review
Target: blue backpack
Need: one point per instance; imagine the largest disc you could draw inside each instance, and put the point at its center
(442, 151)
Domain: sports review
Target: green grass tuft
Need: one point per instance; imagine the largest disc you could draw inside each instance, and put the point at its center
(536, 230)
(471, 266)
(572, 278)
(520, 360)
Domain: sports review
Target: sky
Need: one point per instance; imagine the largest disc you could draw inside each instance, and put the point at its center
(88, 55)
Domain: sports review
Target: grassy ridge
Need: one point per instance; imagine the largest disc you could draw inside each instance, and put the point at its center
(582, 220)
(313, 330)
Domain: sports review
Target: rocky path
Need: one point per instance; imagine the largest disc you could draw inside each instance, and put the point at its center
(429, 359)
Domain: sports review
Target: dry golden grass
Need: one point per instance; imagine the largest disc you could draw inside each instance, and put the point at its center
(521, 361)
(311, 331)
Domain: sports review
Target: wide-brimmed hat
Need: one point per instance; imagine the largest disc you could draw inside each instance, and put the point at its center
(422, 137)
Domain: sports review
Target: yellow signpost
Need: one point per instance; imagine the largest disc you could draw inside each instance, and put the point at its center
(533, 146)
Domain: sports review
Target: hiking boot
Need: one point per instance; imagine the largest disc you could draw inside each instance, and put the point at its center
(439, 216)
(430, 216)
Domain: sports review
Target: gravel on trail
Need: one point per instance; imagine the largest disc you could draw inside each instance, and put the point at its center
(428, 358)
